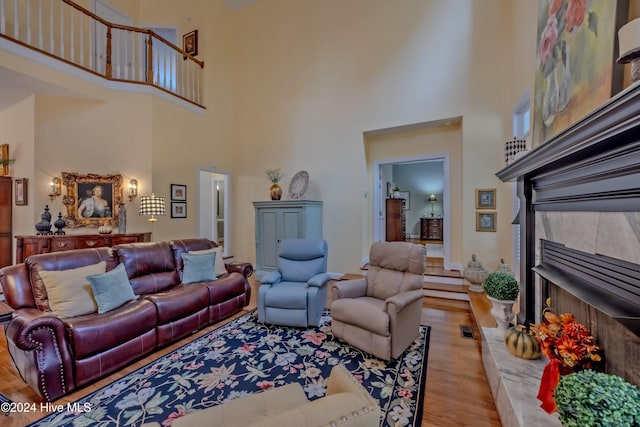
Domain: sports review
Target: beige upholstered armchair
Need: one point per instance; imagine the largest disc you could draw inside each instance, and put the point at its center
(380, 313)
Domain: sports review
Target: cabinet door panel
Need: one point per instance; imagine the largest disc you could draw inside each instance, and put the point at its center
(269, 238)
(291, 224)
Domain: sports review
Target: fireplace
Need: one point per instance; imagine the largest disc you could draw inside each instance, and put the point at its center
(580, 228)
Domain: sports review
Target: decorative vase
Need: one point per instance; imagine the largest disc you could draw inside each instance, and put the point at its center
(122, 221)
(44, 226)
(550, 99)
(502, 311)
(275, 191)
(59, 224)
(104, 229)
(565, 83)
(475, 274)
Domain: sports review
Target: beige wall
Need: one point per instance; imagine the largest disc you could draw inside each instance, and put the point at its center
(296, 85)
(311, 78)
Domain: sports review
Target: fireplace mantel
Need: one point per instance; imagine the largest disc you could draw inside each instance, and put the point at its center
(592, 166)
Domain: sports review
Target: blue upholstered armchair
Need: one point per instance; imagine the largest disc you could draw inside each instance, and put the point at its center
(296, 294)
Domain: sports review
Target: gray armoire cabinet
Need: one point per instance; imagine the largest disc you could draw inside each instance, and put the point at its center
(283, 219)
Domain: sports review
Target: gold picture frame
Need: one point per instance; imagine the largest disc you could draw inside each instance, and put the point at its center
(486, 221)
(92, 200)
(190, 43)
(485, 198)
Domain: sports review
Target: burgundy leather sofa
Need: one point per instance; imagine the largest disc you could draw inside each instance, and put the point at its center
(58, 355)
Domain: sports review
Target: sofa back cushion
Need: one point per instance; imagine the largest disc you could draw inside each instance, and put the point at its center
(150, 266)
(185, 246)
(63, 261)
(395, 267)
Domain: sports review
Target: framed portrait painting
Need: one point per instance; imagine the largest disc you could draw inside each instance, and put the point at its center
(92, 199)
(485, 221)
(486, 198)
(576, 69)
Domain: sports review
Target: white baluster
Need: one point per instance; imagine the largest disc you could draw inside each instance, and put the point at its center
(62, 32)
(51, 46)
(72, 46)
(39, 24)
(16, 24)
(2, 18)
(28, 22)
(81, 32)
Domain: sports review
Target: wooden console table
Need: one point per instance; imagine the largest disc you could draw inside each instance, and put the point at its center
(430, 228)
(33, 245)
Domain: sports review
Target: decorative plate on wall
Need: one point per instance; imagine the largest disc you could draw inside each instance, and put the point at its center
(298, 185)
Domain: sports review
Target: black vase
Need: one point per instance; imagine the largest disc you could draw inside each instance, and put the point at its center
(60, 224)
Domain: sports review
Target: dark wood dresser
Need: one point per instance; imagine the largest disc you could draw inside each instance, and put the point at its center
(430, 228)
(395, 225)
(32, 245)
(5, 221)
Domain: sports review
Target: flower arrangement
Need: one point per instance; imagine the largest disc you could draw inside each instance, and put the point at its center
(589, 398)
(566, 343)
(274, 175)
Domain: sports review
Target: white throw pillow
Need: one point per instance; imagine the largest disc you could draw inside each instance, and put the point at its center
(69, 290)
(218, 267)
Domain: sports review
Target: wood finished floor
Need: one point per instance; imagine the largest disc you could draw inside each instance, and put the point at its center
(456, 392)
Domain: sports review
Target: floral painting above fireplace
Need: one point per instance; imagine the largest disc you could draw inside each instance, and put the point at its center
(575, 62)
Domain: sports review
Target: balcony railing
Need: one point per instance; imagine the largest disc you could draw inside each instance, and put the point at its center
(73, 34)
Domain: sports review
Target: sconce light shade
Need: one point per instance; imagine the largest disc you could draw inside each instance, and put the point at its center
(152, 205)
(133, 189)
(55, 188)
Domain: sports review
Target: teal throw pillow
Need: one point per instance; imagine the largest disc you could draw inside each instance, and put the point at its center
(111, 289)
(198, 267)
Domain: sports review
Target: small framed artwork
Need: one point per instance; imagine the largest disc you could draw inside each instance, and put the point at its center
(178, 209)
(389, 190)
(190, 43)
(405, 195)
(486, 221)
(21, 191)
(179, 192)
(486, 198)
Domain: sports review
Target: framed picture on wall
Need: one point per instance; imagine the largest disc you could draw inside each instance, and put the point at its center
(486, 198)
(190, 43)
(485, 221)
(21, 191)
(178, 192)
(178, 209)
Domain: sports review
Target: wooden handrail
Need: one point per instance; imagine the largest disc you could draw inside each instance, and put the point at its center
(170, 70)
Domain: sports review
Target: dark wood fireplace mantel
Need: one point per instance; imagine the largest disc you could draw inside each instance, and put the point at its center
(594, 165)
(609, 285)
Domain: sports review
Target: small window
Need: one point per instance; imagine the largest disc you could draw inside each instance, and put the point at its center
(522, 118)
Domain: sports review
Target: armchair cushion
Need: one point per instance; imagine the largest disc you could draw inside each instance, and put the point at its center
(366, 312)
(287, 295)
(319, 280)
(270, 278)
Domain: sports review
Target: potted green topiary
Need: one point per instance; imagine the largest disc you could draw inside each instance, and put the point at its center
(590, 398)
(502, 290)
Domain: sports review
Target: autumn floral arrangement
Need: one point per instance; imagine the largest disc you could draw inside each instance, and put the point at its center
(568, 345)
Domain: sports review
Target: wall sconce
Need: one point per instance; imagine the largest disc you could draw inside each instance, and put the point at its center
(133, 189)
(432, 199)
(55, 188)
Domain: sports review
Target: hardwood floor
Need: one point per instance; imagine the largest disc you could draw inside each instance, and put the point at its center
(456, 394)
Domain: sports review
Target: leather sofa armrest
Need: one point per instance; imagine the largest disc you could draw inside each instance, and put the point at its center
(38, 346)
(354, 288)
(270, 278)
(244, 268)
(403, 299)
(319, 280)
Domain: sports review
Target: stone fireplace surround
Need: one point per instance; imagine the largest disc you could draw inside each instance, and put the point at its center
(580, 239)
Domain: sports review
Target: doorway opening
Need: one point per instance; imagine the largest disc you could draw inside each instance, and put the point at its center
(417, 178)
(214, 207)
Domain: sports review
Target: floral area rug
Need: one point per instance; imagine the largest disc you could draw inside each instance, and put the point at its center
(244, 357)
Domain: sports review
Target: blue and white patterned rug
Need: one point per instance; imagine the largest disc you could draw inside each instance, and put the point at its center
(244, 357)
